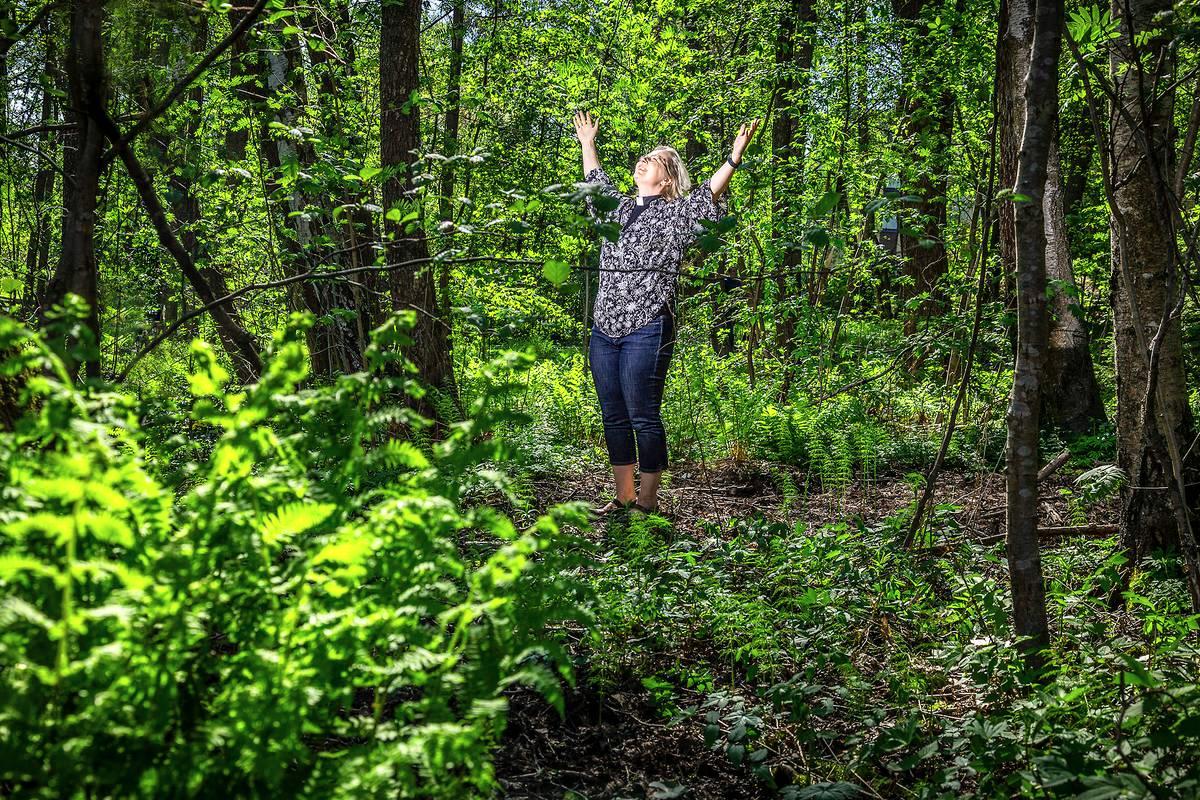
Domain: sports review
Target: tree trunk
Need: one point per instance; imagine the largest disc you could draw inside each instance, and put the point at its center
(450, 147)
(1041, 107)
(180, 167)
(1070, 394)
(333, 342)
(793, 59)
(87, 78)
(244, 65)
(413, 286)
(37, 254)
(1153, 419)
(928, 103)
(355, 232)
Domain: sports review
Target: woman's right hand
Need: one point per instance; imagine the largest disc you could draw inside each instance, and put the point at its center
(585, 127)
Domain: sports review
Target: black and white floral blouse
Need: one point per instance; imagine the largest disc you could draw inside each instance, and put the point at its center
(638, 272)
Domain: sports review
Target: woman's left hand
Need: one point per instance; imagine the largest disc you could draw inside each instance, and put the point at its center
(744, 135)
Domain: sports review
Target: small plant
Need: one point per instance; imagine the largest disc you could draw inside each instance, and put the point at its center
(1094, 486)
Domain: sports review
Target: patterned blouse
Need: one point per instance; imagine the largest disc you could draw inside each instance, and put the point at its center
(638, 271)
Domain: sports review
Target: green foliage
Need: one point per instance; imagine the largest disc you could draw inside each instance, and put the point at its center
(302, 589)
(900, 671)
(831, 440)
(296, 618)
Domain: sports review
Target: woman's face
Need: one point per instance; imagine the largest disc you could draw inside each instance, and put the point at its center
(650, 174)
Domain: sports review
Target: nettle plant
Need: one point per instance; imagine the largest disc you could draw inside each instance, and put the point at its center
(298, 618)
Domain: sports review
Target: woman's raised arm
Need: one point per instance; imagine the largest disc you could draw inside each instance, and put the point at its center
(720, 179)
(585, 130)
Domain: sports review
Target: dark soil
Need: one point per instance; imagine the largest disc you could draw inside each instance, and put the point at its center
(610, 746)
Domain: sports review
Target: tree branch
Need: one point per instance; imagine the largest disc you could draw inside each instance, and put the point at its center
(182, 86)
(311, 275)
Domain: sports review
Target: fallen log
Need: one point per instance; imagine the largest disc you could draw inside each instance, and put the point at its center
(1054, 465)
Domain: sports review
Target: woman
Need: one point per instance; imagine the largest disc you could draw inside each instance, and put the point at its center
(633, 333)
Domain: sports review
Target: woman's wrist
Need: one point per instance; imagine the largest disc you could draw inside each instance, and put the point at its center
(733, 162)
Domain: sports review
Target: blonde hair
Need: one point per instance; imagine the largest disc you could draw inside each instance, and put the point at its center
(672, 164)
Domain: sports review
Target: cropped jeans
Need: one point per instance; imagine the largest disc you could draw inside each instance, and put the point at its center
(630, 372)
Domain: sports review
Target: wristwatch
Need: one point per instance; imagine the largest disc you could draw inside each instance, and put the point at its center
(735, 164)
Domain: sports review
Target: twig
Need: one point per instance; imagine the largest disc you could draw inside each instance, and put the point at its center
(1054, 465)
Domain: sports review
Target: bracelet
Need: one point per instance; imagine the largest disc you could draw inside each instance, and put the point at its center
(735, 164)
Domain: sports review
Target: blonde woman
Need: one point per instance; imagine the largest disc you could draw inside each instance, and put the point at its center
(633, 331)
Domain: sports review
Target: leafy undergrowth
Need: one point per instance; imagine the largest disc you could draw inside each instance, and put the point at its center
(795, 643)
(270, 594)
(295, 591)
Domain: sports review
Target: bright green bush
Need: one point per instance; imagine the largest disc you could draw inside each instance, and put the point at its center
(297, 617)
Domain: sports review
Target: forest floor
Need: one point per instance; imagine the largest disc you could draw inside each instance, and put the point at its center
(616, 741)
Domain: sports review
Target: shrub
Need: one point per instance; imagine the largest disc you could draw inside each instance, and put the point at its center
(298, 619)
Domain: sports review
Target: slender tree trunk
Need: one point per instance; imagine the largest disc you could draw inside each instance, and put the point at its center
(1070, 394)
(1154, 423)
(450, 146)
(37, 254)
(1041, 107)
(793, 59)
(179, 157)
(928, 103)
(87, 78)
(412, 287)
(1016, 39)
(355, 231)
(333, 343)
(244, 65)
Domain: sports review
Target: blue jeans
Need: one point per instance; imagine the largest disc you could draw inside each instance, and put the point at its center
(629, 372)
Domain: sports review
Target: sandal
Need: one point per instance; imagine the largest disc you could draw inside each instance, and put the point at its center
(613, 506)
(641, 509)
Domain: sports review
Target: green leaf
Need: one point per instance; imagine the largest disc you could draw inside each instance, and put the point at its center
(348, 550)
(10, 566)
(827, 203)
(293, 519)
(556, 271)
(876, 204)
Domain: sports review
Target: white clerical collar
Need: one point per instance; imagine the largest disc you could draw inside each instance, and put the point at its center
(645, 199)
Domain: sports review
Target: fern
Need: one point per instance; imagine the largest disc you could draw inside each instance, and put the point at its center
(202, 644)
